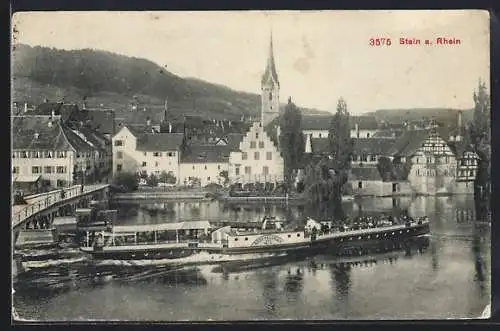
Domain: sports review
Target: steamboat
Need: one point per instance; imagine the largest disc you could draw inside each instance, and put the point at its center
(201, 242)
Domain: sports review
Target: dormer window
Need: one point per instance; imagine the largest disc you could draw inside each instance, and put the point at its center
(270, 97)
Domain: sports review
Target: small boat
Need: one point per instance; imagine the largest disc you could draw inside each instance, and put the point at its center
(198, 242)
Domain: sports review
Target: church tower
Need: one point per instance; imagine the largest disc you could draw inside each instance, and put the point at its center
(270, 89)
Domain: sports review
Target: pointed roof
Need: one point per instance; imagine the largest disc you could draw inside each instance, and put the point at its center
(270, 75)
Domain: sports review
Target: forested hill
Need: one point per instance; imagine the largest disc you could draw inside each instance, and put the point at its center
(444, 115)
(117, 81)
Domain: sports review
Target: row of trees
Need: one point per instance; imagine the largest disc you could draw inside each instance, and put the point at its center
(324, 178)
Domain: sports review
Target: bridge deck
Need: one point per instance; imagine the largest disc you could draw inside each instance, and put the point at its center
(42, 201)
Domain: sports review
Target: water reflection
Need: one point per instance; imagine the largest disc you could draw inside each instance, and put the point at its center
(455, 258)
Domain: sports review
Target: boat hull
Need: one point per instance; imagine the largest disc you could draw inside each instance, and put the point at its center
(198, 253)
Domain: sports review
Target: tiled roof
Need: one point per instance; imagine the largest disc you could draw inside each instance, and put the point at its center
(233, 140)
(364, 122)
(206, 154)
(34, 132)
(316, 122)
(160, 141)
(365, 173)
(409, 142)
(377, 146)
(66, 111)
(388, 133)
(102, 120)
(320, 145)
(139, 117)
(138, 130)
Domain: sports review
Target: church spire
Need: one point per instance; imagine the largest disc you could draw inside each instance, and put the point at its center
(270, 76)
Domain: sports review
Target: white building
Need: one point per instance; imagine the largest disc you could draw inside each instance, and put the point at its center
(44, 146)
(147, 153)
(258, 158)
(204, 164)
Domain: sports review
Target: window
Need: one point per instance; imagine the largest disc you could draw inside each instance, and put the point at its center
(118, 143)
(157, 154)
(261, 144)
(205, 167)
(60, 170)
(118, 167)
(218, 167)
(256, 135)
(320, 135)
(364, 158)
(119, 155)
(269, 155)
(471, 173)
(193, 167)
(368, 135)
(145, 153)
(265, 170)
(360, 184)
(144, 163)
(61, 183)
(156, 164)
(256, 156)
(49, 154)
(15, 170)
(170, 154)
(208, 179)
(13, 155)
(237, 171)
(35, 154)
(24, 155)
(36, 170)
(244, 156)
(253, 144)
(48, 170)
(373, 158)
(248, 170)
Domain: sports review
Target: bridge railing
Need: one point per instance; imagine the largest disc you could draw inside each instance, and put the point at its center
(51, 199)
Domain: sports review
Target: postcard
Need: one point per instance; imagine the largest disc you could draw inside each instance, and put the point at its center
(250, 165)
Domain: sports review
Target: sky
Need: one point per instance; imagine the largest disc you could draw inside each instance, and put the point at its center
(320, 55)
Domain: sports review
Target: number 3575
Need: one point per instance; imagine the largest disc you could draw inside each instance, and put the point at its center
(380, 42)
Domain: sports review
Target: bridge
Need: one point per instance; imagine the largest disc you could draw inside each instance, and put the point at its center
(50, 204)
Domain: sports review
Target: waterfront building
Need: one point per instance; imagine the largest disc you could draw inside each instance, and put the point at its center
(46, 147)
(146, 153)
(257, 159)
(368, 151)
(433, 164)
(203, 164)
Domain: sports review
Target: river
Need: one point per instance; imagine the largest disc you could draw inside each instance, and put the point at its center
(449, 277)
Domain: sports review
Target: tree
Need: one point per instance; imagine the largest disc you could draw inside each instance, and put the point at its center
(126, 180)
(482, 110)
(385, 169)
(167, 177)
(152, 180)
(291, 139)
(339, 134)
(225, 176)
(323, 188)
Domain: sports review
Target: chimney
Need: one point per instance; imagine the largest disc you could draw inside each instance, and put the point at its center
(148, 121)
(25, 107)
(308, 147)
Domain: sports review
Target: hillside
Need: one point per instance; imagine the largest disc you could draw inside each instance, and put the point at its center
(444, 115)
(117, 81)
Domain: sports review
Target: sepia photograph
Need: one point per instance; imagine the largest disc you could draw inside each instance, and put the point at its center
(250, 165)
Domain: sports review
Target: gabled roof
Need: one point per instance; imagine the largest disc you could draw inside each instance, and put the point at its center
(139, 117)
(160, 141)
(364, 122)
(316, 122)
(206, 154)
(365, 173)
(138, 130)
(102, 120)
(409, 142)
(377, 146)
(66, 111)
(35, 132)
(232, 140)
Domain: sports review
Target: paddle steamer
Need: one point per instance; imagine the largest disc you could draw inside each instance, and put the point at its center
(202, 242)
